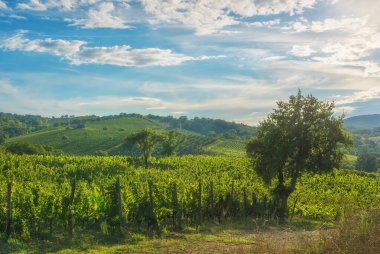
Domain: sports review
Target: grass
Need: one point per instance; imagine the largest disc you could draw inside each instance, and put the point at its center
(248, 236)
(357, 232)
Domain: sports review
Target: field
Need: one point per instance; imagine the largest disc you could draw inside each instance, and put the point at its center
(235, 148)
(61, 197)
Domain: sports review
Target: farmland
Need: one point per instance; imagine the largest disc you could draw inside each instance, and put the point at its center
(172, 194)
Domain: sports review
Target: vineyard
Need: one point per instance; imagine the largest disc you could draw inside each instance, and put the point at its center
(45, 195)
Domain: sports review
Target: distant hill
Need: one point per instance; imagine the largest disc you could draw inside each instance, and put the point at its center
(89, 135)
(363, 121)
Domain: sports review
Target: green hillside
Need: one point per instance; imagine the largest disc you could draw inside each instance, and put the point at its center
(234, 148)
(91, 135)
(95, 136)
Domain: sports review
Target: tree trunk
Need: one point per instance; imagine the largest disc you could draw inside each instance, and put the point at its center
(283, 209)
(146, 161)
(283, 195)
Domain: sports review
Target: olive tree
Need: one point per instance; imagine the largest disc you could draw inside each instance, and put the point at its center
(301, 135)
(146, 140)
(367, 162)
(172, 140)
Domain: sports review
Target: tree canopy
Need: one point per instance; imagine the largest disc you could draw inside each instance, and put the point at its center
(367, 162)
(171, 141)
(301, 135)
(146, 140)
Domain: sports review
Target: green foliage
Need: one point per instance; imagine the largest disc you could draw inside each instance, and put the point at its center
(171, 142)
(367, 162)
(2, 137)
(14, 125)
(42, 185)
(28, 148)
(302, 135)
(349, 161)
(146, 140)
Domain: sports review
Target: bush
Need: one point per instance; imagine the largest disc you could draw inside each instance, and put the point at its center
(28, 148)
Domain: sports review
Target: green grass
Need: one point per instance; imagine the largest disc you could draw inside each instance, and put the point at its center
(246, 236)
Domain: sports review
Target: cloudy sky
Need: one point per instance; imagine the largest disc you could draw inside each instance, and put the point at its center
(229, 59)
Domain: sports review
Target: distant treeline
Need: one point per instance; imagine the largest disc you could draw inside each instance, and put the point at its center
(204, 126)
(12, 125)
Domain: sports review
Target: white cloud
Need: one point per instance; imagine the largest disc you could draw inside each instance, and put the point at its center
(75, 52)
(7, 88)
(3, 5)
(204, 16)
(361, 96)
(268, 23)
(62, 48)
(40, 5)
(14, 16)
(34, 5)
(126, 56)
(101, 17)
(354, 51)
(211, 16)
(343, 24)
(345, 109)
(301, 50)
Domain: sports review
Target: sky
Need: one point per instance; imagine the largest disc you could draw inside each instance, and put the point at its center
(227, 59)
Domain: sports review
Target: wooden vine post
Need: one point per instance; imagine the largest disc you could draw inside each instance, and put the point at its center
(119, 204)
(245, 202)
(232, 190)
(151, 195)
(9, 210)
(153, 220)
(199, 219)
(177, 214)
(70, 210)
(254, 205)
(212, 200)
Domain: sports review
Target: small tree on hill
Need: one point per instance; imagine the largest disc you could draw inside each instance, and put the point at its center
(171, 142)
(146, 140)
(367, 162)
(302, 135)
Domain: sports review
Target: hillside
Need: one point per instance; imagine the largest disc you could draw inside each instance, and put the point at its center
(89, 135)
(363, 121)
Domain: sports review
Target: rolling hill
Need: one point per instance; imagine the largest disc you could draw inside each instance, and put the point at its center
(91, 135)
(363, 121)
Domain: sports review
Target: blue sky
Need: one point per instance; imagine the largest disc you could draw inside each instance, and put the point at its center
(223, 59)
